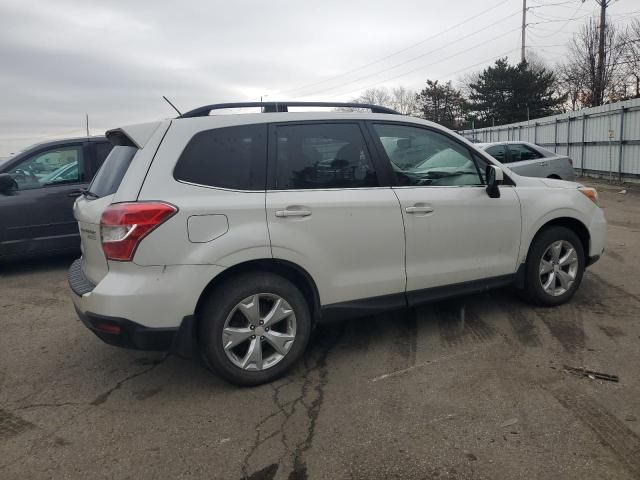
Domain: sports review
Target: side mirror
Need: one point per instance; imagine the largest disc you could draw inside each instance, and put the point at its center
(494, 177)
(7, 184)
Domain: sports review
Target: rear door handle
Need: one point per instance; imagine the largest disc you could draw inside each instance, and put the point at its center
(414, 209)
(293, 213)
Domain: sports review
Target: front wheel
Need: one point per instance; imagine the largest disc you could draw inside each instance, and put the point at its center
(555, 265)
(254, 328)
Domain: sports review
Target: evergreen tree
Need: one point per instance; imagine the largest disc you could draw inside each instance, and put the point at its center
(506, 93)
(441, 103)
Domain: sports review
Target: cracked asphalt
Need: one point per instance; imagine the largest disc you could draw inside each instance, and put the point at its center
(419, 394)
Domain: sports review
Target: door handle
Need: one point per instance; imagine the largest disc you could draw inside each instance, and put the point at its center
(418, 209)
(293, 213)
(74, 193)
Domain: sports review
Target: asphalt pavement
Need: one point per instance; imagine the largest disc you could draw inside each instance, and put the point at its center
(474, 388)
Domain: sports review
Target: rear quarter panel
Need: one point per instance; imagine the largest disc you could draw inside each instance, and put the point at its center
(561, 167)
(246, 237)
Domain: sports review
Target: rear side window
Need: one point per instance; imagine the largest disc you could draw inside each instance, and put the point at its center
(499, 152)
(521, 152)
(231, 157)
(108, 178)
(322, 156)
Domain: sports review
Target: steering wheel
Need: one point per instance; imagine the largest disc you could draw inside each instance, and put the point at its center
(25, 173)
(22, 175)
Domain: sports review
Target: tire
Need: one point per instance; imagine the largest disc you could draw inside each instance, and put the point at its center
(232, 308)
(563, 285)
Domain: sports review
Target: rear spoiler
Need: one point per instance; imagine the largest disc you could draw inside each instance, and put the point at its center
(133, 135)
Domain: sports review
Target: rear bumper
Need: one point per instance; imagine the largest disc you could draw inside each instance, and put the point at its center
(144, 308)
(127, 334)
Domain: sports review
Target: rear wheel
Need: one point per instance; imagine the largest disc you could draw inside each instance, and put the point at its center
(254, 328)
(555, 265)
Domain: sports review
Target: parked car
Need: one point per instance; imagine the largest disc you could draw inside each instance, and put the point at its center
(531, 160)
(235, 234)
(37, 189)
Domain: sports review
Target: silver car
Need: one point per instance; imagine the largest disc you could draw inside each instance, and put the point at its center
(531, 160)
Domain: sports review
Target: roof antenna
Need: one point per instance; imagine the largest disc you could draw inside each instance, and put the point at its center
(172, 105)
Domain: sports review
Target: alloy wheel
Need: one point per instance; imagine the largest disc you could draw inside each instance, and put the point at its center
(558, 268)
(259, 332)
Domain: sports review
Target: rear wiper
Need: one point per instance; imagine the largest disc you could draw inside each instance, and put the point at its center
(88, 193)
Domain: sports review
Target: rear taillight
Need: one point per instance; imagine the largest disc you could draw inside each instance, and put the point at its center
(570, 162)
(124, 225)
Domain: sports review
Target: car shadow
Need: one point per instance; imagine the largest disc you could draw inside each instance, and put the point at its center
(28, 265)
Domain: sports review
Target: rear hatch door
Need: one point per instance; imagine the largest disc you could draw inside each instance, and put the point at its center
(89, 207)
(88, 213)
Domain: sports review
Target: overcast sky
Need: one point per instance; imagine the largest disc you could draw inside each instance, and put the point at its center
(114, 60)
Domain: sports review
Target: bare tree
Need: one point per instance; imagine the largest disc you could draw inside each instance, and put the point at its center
(400, 99)
(572, 83)
(404, 101)
(537, 62)
(464, 82)
(581, 72)
(631, 58)
(375, 96)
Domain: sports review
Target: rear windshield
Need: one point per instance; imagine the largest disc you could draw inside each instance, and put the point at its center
(108, 178)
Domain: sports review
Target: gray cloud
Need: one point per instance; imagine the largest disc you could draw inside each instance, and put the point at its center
(115, 59)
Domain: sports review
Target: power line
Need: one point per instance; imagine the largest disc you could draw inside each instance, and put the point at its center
(557, 19)
(573, 16)
(397, 52)
(503, 54)
(411, 60)
(425, 66)
(562, 4)
(540, 4)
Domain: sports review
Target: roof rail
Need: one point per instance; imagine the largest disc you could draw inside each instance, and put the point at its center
(269, 107)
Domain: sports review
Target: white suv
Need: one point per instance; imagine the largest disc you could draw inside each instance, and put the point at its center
(233, 235)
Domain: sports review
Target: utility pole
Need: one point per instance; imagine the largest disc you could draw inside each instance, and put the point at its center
(598, 94)
(87, 122)
(524, 29)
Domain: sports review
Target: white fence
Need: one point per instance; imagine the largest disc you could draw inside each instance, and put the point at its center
(601, 140)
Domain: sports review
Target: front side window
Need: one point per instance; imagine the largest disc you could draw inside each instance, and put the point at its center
(322, 156)
(499, 152)
(230, 157)
(521, 152)
(52, 167)
(426, 158)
